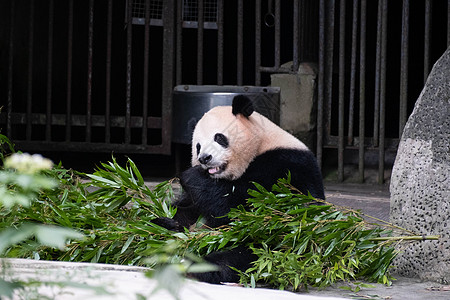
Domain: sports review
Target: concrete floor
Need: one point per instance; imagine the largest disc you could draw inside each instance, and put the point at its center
(371, 200)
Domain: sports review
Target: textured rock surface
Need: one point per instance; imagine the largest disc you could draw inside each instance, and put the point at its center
(420, 182)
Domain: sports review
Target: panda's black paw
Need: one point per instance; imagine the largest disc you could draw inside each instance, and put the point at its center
(168, 223)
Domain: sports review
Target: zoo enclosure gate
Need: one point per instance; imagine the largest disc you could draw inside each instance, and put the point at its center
(98, 75)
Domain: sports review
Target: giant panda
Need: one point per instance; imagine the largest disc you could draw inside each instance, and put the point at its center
(232, 147)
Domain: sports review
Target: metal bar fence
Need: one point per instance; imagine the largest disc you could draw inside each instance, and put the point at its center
(362, 92)
(89, 72)
(404, 67)
(240, 38)
(48, 116)
(374, 101)
(128, 74)
(68, 131)
(30, 70)
(321, 84)
(341, 91)
(10, 71)
(108, 73)
(382, 118)
(220, 36)
(257, 42)
(200, 43)
(34, 116)
(354, 103)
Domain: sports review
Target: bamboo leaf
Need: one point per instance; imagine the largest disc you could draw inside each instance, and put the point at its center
(104, 180)
(127, 244)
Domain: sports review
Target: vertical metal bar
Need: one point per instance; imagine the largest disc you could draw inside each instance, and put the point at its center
(240, 42)
(30, 70)
(362, 90)
(277, 33)
(200, 43)
(404, 57)
(257, 42)
(146, 65)
(329, 51)
(306, 11)
(69, 72)
(321, 85)
(382, 94)
(128, 75)
(167, 75)
(448, 23)
(351, 107)
(48, 125)
(89, 75)
(427, 40)
(10, 70)
(179, 47)
(376, 108)
(108, 73)
(341, 91)
(220, 42)
(295, 38)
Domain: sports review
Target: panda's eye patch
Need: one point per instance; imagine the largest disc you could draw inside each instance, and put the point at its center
(198, 148)
(221, 140)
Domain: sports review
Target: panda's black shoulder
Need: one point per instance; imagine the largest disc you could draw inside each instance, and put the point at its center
(271, 165)
(285, 154)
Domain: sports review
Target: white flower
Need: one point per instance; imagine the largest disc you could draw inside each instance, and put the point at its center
(26, 163)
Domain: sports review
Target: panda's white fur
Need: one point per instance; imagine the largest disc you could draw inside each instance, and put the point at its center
(248, 137)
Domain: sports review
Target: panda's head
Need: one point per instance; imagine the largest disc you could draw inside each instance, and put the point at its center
(226, 139)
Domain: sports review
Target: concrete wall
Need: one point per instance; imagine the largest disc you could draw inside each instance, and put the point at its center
(298, 102)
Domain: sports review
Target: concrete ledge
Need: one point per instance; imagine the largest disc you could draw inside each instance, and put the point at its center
(71, 281)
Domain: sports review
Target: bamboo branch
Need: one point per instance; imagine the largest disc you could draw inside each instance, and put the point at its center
(407, 238)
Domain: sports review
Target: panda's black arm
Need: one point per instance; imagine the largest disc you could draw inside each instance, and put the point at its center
(213, 197)
(204, 196)
(186, 215)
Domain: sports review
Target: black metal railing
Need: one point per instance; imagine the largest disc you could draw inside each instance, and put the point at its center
(98, 75)
(79, 78)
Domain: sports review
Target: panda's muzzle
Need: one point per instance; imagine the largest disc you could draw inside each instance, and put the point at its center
(205, 159)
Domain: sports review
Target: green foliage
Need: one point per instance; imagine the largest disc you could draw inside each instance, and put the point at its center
(21, 189)
(48, 235)
(21, 182)
(298, 242)
(6, 146)
(113, 210)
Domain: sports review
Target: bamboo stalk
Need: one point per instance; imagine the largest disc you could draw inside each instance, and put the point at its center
(406, 238)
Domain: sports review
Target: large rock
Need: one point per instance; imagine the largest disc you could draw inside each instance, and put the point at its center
(420, 182)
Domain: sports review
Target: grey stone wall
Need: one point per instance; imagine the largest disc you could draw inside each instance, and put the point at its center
(420, 182)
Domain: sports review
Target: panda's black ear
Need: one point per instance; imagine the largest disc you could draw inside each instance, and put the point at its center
(242, 105)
